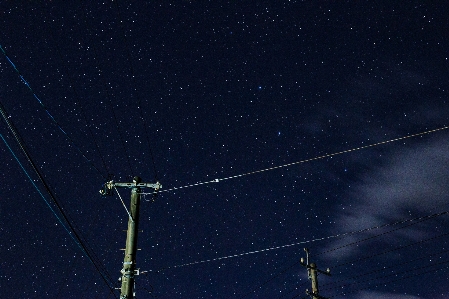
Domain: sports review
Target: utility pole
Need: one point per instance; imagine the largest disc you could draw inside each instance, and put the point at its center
(312, 272)
(129, 263)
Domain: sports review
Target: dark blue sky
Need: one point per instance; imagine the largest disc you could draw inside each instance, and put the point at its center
(192, 91)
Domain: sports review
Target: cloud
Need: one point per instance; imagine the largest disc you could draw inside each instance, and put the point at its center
(378, 295)
(411, 183)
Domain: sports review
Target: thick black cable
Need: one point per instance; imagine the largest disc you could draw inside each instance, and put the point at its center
(21, 144)
(48, 112)
(93, 139)
(68, 137)
(58, 125)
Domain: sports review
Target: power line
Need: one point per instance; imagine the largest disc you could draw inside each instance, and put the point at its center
(418, 219)
(77, 241)
(326, 286)
(306, 160)
(391, 250)
(421, 219)
(93, 139)
(392, 274)
(21, 144)
(39, 191)
(48, 112)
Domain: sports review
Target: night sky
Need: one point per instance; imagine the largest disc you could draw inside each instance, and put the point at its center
(250, 99)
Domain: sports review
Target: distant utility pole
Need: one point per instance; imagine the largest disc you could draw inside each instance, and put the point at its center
(129, 263)
(313, 276)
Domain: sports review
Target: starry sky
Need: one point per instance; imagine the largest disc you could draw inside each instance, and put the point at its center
(272, 115)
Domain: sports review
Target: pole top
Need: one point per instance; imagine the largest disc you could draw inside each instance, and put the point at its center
(137, 183)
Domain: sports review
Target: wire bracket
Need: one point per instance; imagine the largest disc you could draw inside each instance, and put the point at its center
(108, 186)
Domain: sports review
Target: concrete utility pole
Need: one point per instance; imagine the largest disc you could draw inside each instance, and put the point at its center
(312, 272)
(129, 263)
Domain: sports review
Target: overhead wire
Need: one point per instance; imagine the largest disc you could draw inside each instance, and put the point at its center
(217, 180)
(93, 138)
(45, 200)
(304, 161)
(417, 219)
(427, 256)
(393, 274)
(40, 193)
(48, 112)
(61, 129)
(421, 219)
(389, 251)
(21, 144)
(340, 235)
(414, 221)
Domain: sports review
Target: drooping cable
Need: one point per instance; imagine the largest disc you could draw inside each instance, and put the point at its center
(21, 144)
(426, 266)
(417, 221)
(59, 126)
(413, 222)
(389, 251)
(327, 286)
(305, 160)
(77, 102)
(48, 112)
(421, 219)
(40, 193)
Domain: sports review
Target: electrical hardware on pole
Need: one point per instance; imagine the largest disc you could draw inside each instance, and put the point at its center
(312, 272)
(129, 263)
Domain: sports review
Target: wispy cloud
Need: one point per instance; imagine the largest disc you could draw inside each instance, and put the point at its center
(411, 183)
(377, 295)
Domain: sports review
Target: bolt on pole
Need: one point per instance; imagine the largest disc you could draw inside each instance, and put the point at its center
(129, 270)
(312, 271)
